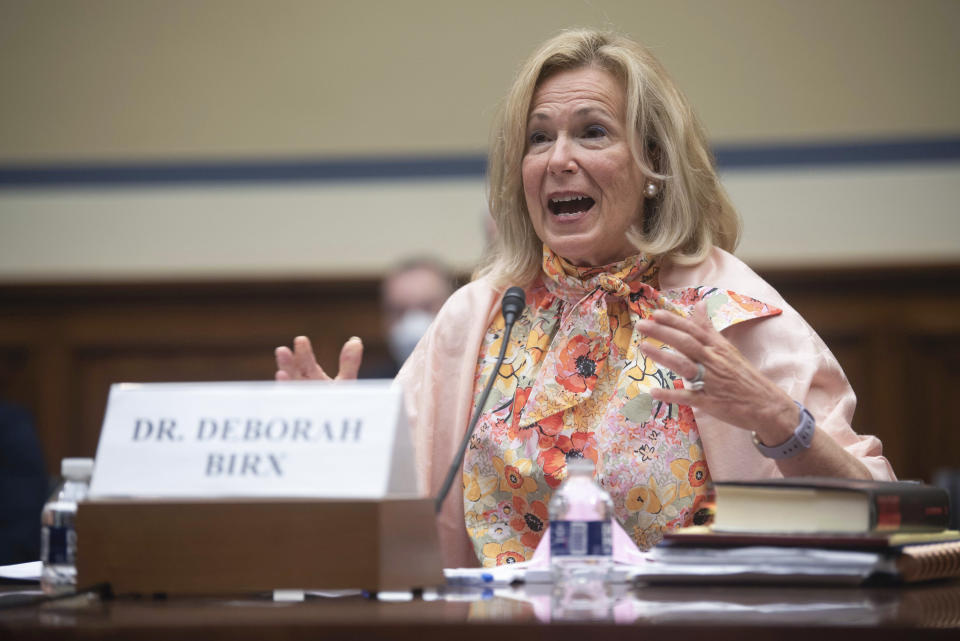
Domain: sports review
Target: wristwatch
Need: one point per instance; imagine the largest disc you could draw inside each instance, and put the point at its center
(800, 440)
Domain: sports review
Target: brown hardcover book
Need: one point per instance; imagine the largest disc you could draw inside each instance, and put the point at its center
(821, 505)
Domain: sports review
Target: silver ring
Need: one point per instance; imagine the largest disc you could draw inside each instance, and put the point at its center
(696, 384)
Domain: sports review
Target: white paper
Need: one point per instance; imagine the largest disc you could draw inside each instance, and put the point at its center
(22, 571)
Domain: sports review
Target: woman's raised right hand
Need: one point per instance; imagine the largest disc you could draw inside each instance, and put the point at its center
(301, 364)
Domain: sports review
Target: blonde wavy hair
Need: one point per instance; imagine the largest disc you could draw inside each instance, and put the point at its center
(690, 214)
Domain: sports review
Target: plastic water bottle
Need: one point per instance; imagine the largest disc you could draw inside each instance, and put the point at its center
(58, 538)
(581, 547)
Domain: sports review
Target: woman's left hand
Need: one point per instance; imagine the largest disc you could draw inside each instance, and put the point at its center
(734, 391)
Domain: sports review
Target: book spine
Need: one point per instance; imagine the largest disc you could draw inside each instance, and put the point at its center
(920, 508)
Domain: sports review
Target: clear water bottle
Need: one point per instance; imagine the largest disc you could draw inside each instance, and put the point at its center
(581, 545)
(58, 538)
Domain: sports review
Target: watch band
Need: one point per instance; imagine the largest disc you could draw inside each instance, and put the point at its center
(800, 440)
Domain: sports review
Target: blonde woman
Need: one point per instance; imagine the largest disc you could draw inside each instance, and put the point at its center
(645, 345)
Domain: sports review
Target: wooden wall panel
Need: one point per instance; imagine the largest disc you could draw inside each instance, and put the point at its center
(931, 376)
(895, 331)
(15, 377)
(880, 324)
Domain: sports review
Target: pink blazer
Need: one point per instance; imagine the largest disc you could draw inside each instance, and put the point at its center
(438, 384)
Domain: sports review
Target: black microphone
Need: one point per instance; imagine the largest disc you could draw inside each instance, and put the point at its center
(514, 300)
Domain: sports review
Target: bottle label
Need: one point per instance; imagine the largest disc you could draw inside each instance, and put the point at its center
(59, 545)
(581, 538)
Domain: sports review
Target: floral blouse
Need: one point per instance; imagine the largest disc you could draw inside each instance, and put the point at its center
(574, 384)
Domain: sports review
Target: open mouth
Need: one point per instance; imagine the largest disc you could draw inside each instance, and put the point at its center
(569, 205)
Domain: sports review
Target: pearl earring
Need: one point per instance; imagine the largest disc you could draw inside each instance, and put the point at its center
(651, 189)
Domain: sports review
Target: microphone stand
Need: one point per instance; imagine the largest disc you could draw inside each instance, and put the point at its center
(514, 300)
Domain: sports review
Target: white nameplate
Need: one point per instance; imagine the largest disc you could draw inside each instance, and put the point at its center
(257, 439)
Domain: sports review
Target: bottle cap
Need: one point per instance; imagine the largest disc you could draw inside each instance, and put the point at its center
(77, 469)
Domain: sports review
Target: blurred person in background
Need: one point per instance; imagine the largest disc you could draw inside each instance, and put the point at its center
(410, 297)
(645, 345)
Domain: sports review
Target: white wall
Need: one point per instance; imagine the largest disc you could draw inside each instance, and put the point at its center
(111, 81)
(891, 215)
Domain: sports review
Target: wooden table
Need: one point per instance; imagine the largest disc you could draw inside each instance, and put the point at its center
(930, 611)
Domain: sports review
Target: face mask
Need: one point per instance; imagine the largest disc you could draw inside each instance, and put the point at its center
(406, 332)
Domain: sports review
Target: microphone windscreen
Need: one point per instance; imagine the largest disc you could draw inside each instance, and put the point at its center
(514, 300)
